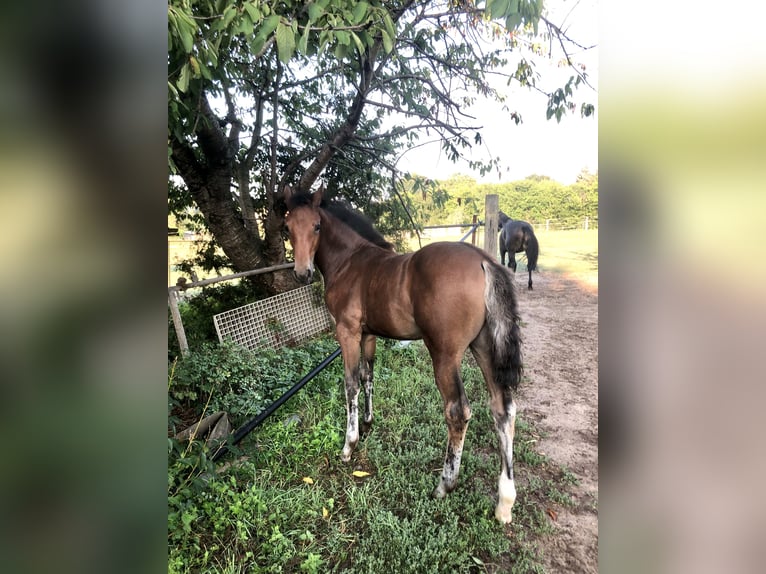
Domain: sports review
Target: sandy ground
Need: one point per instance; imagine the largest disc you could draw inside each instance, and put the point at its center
(560, 330)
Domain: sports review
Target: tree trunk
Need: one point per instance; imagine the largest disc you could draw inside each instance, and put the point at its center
(210, 186)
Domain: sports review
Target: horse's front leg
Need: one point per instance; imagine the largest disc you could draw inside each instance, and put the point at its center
(368, 362)
(349, 340)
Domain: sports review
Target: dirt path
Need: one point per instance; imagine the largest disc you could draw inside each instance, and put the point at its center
(560, 330)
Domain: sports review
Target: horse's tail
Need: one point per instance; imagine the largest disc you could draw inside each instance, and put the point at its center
(532, 250)
(503, 323)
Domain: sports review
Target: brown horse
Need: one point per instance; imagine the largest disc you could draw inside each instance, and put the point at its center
(451, 295)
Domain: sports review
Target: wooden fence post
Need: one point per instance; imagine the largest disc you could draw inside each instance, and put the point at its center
(491, 221)
(177, 322)
(473, 235)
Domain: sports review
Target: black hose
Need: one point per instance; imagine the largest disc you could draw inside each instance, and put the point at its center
(245, 429)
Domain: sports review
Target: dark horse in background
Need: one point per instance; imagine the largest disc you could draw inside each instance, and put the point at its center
(451, 295)
(517, 236)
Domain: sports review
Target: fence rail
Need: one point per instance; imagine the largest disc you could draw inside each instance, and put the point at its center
(175, 313)
(552, 224)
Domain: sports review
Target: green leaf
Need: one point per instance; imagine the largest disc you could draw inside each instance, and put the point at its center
(324, 38)
(285, 42)
(212, 53)
(228, 15)
(303, 43)
(358, 42)
(340, 51)
(343, 37)
(268, 26)
(388, 45)
(512, 22)
(421, 110)
(359, 12)
(187, 19)
(315, 11)
(389, 26)
(195, 66)
(186, 37)
(256, 44)
(184, 77)
(497, 8)
(366, 38)
(255, 14)
(245, 26)
(205, 71)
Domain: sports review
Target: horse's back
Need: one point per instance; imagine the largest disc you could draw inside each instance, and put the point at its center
(447, 289)
(445, 258)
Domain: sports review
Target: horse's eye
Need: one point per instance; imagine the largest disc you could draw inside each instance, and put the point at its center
(317, 227)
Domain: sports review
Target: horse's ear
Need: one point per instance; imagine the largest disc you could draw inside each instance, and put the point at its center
(316, 198)
(288, 192)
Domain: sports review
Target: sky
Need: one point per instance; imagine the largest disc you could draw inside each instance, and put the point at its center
(536, 146)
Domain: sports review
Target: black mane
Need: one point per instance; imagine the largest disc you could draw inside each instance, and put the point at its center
(344, 212)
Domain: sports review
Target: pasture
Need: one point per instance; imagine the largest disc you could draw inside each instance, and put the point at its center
(572, 253)
(284, 502)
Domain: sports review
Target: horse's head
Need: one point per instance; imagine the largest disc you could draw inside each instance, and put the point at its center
(303, 224)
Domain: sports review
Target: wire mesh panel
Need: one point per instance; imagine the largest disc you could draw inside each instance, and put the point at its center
(285, 319)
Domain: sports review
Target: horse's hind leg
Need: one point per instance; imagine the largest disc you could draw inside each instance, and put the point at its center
(368, 362)
(457, 413)
(529, 285)
(504, 413)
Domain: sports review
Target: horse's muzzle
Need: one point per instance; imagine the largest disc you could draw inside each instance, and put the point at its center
(304, 276)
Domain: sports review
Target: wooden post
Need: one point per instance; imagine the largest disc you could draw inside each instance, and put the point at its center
(491, 224)
(473, 235)
(586, 224)
(177, 323)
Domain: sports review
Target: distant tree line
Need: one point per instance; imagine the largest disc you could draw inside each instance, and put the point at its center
(536, 198)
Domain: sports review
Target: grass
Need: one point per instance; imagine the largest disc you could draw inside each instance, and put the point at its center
(573, 253)
(287, 504)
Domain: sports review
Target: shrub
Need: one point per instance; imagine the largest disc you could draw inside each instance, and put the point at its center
(231, 378)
